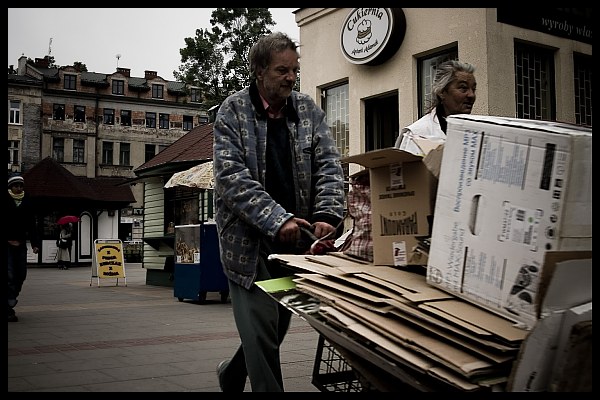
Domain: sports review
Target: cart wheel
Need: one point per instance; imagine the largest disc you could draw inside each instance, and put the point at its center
(180, 298)
(224, 296)
(202, 297)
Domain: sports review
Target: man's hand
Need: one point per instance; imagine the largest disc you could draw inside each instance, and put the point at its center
(290, 231)
(322, 229)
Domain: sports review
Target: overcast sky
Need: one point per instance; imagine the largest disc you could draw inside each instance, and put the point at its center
(145, 38)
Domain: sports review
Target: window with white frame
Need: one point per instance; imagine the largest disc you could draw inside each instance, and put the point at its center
(163, 121)
(124, 153)
(582, 66)
(149, 152)
(535, 95)
(58, 149)
(188, 122)
(79, 114)
(109, 116)
(335, 102)
(78, 151)
(195, 95)
(58, 112)
(118, 87)
(126, 117)
(107, 153)
(157, 91)
(13, 152)
(336, 105)
(14, 112)
(150, 120)
(70, 82)
(426, 74)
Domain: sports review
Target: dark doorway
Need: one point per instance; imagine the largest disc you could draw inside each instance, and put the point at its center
(381, 121)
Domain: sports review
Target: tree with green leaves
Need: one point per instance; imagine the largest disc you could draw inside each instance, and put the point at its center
(50, 59)
(216, 61)
(202, 66)
(79, 66)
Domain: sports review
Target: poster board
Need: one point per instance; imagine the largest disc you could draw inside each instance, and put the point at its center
(109, 260)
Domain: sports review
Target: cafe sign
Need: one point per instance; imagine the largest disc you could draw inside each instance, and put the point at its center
(372, 35)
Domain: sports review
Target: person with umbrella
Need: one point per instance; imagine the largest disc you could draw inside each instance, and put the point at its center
(67, 219)
(21, 226)
(64, 243)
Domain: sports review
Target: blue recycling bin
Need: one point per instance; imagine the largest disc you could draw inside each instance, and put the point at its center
(197, 268)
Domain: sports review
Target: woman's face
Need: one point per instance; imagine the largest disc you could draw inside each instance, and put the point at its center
(459, 96)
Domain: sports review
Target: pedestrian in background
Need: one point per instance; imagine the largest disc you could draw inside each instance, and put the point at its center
(20, 226)
(452, 92)
(64, 244)
(276, 168)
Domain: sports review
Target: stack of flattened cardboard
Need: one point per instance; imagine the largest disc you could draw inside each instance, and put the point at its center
(408, 322)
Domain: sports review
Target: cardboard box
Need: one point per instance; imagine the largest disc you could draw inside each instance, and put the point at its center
(509, 191)
(567, 301)
(433, 160)
(402, 199)
(572, 370)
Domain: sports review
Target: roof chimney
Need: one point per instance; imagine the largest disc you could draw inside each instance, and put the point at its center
(42, 62)
(22, 65)
(124, 71)
(150, 75)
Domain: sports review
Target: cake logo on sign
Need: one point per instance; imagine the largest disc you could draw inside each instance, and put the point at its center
(372, 35)
(364, 32)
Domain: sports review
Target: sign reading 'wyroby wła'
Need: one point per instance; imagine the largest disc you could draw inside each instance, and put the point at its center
(372, 35)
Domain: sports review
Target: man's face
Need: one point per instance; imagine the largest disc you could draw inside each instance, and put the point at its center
(277, 80)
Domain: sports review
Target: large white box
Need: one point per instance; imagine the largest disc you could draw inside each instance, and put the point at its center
(509, 191)
(402, 197)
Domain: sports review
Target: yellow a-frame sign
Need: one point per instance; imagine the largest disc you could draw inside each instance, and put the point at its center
(109, 261)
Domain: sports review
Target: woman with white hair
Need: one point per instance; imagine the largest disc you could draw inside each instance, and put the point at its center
(452, 92)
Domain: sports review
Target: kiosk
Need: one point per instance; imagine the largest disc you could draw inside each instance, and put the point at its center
(198, 267)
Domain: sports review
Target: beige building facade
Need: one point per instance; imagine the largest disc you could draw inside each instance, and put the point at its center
(536, 65)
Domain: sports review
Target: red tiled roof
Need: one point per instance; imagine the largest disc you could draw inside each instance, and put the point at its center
(196, 145)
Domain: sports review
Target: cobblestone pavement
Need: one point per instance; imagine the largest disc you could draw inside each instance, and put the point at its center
(74, 335)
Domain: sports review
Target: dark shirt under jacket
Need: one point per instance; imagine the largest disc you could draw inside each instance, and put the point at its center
(279, 180)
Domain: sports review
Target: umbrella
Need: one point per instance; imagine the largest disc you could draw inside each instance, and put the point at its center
(67, 219)
(200, 176)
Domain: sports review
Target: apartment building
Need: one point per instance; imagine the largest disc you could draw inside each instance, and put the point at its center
(97, 126)
(24, 104)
